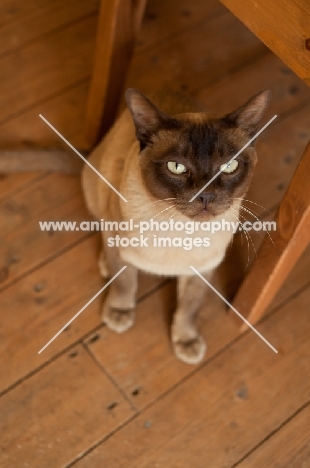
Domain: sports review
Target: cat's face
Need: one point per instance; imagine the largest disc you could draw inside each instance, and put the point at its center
(180, 154)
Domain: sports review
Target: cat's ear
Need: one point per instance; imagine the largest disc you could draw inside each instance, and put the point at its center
(248, 116)
(147, 118)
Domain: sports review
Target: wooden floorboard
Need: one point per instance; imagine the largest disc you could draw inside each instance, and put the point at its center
(13, 183)
(65, 111)
(267, 72)
(53, 198)
(287, 448)
(64, 60)
(25, 22)
(51, 418)
(162, 20)
(226, 408)
(177, 65)
(34, 309)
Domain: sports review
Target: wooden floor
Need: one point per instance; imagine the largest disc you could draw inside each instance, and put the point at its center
(96, 399)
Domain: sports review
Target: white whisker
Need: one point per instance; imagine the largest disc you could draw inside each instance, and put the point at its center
(164, 201)
(169, 207)
(257, 204)
(246, 236)
(250, 212)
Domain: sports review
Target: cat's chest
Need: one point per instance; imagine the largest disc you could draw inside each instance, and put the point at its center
(172, 252)
(169, 260)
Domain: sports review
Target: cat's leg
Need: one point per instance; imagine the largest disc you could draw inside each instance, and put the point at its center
(119, 307)
(188, 344)
(103, 264)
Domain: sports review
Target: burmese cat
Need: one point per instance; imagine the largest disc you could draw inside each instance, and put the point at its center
(158, 155)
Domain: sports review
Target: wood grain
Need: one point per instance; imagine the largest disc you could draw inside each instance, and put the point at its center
(289, 447)
(118, 24)
(162, 20)
(177, 65)
(46, 68)
(282, 26)
(56, 415)
(9, 184)
(24, 22)
(227, 407)
(267, 72)
(66, 112)
(23, 245)
(34, 309)
(297, 279)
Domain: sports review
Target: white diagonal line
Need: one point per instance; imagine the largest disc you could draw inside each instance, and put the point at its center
(84, 159)
(235, 310)
(83, 308)
(234, 157)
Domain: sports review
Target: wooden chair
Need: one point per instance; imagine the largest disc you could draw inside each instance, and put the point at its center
(118, 24)
(284, 28)
(275, 261)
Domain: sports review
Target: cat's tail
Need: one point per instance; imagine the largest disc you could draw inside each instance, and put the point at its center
(13, 161)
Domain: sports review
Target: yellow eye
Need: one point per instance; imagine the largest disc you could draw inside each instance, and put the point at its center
(229, 167)
(176, 168)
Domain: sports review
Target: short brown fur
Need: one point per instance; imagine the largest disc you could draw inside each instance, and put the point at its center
(134, 158)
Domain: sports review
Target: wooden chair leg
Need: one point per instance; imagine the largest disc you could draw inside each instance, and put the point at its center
(274, 262)
(118, 23)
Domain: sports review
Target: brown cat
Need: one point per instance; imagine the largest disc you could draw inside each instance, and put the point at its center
(158, 158)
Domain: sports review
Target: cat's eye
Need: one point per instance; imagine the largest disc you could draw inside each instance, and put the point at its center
(176, 168)
(230, 167)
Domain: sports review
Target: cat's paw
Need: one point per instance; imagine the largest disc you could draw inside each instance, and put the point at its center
(191, 351)
(103, 267)
(118, 320)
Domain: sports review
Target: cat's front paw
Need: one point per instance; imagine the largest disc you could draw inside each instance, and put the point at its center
(191, 351)
(118, 320)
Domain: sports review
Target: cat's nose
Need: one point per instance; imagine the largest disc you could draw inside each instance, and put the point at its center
(206, 198)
